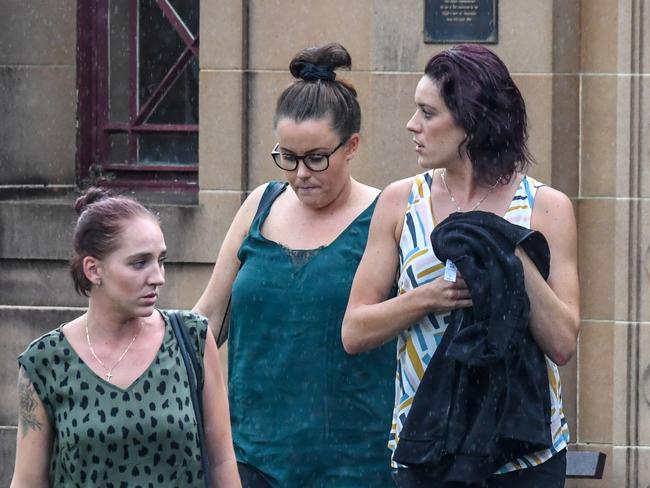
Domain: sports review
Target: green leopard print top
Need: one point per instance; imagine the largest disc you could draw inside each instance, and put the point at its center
(144, 435)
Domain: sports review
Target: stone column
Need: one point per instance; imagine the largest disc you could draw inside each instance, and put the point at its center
(614, 218)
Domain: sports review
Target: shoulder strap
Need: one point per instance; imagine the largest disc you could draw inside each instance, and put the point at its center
(185, 343)
(195, 376)
(271, 192)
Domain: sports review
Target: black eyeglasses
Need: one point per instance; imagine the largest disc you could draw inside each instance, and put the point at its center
(315, 162)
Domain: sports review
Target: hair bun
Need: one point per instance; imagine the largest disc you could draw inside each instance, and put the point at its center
(319, 63)
(90, 196)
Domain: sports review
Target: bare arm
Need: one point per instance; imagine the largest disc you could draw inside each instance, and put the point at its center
(370, 319)
(33, 440)
(554, 305)
(214, 300)
(223, 465)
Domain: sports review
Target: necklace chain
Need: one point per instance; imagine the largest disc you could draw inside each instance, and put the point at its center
(109, 371)
(453, 200)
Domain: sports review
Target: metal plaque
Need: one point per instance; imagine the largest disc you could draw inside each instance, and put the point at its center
(453, 21)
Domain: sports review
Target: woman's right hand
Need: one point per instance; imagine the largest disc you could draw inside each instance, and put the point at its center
(445, 296)
(371, 318)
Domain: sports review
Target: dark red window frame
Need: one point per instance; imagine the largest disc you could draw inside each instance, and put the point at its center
(94, 127)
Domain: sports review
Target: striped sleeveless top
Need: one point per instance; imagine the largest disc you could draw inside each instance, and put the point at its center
(417, 344)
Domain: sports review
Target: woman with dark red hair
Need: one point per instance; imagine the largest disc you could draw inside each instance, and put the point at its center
(469, 130)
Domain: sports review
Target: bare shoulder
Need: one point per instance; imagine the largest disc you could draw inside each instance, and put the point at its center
(363, 194)
(552, 209)
(254, 197)
(244, 217)
(391, 207)
(396, 193)
(368, 190)
(553, 216)
(70, 327)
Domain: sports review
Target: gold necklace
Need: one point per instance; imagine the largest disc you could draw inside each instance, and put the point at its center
(109, 371)
(444, 182)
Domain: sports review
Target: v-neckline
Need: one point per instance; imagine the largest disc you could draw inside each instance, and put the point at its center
(503, 216)
(314, 250)
(101, 378)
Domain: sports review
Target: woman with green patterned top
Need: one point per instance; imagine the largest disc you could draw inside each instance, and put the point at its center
(105, 399)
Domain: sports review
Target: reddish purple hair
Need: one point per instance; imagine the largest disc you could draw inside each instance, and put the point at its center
(484, 100)
(102, 218)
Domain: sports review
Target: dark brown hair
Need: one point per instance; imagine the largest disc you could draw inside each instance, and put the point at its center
(484, 100)
(101, 220)
(317, 93)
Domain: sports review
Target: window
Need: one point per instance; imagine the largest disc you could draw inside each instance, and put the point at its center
(138, 81)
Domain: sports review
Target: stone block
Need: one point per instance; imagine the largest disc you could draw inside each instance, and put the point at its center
(640, 128)
(630, 466)
(565, 130)
(397, 42)
(36, 228)
(599, 25)
(566, 37)
(639, 260)
(538, 95)
(644, 49)
(632, 255)
(596, 258)
(596, 382)
(222, 24)
(614, 383)
(632, 373)
(278, 29)
(599, 136)
(38, 32)
(185, 284)
(38, 128)
(25, 283)
(221, 130)
(193, 232)
(387, 150)
(264, 90)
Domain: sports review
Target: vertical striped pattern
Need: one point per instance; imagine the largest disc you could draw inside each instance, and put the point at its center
(416, 345)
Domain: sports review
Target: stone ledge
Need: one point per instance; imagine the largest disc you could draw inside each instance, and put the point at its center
(41, 227)
(37, 283)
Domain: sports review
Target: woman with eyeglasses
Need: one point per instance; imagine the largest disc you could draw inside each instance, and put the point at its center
(303, 412)
(470, 136)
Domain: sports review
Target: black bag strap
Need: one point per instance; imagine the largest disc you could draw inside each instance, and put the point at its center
(195, 376)
(272, 191)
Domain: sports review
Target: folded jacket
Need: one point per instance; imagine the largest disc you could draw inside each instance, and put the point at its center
(484, 397)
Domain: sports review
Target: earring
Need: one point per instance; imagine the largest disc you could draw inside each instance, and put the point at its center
(99, 282)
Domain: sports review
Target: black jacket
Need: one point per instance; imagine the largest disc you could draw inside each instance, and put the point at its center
(484, 397)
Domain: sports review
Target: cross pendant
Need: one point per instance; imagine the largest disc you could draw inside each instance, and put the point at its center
(108, 376)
